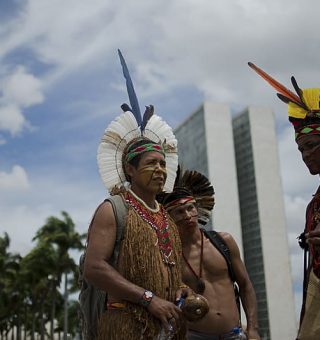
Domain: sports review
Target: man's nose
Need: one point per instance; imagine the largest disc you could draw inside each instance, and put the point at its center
(160, 168)
(188, 215)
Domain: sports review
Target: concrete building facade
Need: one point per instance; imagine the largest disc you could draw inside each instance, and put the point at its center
(240, 157)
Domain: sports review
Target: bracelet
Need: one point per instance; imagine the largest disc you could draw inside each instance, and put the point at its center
(146, 298)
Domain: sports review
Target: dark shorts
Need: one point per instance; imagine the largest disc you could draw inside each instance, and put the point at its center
(235, 334)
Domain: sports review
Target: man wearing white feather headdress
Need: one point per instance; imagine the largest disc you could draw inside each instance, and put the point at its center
(140, 268)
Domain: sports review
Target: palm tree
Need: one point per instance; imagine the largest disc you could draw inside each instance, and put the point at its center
(61, 233)
(9, 295)
(36, 267)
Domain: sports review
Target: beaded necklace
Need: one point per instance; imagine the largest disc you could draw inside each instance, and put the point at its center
(158, 220)
(154, 210)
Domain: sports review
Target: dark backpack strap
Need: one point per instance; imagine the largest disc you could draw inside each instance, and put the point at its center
(120, 210)
(220, 244)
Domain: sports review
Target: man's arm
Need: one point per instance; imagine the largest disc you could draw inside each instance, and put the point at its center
(247, 293)
(98, 271)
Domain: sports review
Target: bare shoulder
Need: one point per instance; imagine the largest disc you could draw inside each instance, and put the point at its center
(104, 211)
(226, 236)
(103, 222)
(229, 240)
(102, 233)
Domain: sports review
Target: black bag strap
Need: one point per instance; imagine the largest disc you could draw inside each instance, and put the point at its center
(221, 245)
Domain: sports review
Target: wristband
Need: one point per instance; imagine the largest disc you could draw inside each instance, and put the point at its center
(146, 298)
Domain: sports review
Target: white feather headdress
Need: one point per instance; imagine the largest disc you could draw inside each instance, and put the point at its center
(127, 127)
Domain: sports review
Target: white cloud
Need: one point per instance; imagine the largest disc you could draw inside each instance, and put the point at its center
(22, 215)
(11, 119)
(15, 180)
(22, 88)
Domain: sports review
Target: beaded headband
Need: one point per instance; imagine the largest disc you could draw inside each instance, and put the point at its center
(142, 149)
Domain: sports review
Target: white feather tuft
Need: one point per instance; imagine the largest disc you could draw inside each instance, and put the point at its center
(116, 137)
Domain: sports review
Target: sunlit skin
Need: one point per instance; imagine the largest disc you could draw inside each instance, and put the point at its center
(309, 146)
(223, 314)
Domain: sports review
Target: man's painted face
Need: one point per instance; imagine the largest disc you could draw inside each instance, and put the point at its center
(185, 216)
(151, 172)
(309, 146)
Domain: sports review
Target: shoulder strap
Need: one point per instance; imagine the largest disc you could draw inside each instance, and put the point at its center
(221, 245)
(120, 210)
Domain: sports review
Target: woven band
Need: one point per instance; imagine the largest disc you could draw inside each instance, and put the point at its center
(312, 129)
(142, 149)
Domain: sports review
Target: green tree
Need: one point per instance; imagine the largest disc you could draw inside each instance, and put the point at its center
(61, 234)
(9, 294)
(36, 267)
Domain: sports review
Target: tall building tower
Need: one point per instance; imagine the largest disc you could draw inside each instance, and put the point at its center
(205, 143)
(239, 156)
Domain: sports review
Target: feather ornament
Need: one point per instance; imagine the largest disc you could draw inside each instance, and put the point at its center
(146, 116)
(193, 183)
(130, 89)
(127, 127)
(125, 107)
(299, 92)
(113, 142)
(276, 85)
(123, 130)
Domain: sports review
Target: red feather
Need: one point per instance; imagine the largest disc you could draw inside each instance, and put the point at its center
(276, 85)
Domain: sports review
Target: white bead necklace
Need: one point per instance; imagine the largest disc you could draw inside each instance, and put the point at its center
(154, 210)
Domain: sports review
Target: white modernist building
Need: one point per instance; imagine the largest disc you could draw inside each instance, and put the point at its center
(240, 157)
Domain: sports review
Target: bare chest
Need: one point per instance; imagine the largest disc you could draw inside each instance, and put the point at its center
(212, 267)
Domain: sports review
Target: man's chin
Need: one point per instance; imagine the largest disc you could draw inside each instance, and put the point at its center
(158, 188)
(189, 226)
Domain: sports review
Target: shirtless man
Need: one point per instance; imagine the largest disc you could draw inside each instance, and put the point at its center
(205, 270)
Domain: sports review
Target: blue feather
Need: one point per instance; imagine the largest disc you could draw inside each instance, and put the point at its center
(131, 93)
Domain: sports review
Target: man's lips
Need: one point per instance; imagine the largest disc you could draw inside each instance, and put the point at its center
(158, 179)
(190, 222)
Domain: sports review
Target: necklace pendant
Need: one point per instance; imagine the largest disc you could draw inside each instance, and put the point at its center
(201, 286)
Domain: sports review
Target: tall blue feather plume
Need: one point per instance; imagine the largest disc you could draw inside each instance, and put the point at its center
(131, 93)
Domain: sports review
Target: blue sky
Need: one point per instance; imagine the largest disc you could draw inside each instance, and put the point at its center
(61, 84)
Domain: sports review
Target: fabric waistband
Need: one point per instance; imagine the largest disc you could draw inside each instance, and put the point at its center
(115, 305)
(235, 333)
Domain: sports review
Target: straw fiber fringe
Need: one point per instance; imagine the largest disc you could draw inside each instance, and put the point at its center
(140, 262)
